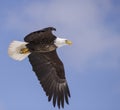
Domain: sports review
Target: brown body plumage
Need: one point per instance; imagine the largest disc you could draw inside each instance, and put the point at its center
(45, 62)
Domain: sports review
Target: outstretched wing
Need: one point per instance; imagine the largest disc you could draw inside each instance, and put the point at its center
(50, 72)
(40, 36)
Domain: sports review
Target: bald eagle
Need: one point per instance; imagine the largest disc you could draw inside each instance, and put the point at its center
(40, 47)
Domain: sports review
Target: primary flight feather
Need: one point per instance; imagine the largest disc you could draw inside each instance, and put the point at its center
(40, 47)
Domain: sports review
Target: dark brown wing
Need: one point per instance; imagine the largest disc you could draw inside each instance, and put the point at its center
(50, 72)
(40, 36)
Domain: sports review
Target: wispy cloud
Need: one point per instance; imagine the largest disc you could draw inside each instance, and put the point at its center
(83, 21)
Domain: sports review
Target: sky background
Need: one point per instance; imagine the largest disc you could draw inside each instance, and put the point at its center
(92, 63)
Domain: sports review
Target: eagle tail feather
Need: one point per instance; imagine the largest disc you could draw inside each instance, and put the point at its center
(18, 50)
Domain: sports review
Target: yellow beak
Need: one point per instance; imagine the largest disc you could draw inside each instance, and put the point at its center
(68, 42)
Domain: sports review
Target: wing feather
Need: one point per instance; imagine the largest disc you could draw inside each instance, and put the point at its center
(50, 72)
(38, 36)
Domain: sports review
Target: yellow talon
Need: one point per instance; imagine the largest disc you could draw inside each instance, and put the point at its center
(24, 51)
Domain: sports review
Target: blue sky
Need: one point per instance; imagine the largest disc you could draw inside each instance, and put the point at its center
(92, 63)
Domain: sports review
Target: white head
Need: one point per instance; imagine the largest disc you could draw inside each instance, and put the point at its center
(59, 42)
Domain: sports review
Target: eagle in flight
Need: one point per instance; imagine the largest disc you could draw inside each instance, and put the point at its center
(40, 47)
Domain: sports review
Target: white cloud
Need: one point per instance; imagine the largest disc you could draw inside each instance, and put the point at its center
(83, 21)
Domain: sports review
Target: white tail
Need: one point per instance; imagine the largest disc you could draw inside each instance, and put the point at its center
(15, 48)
